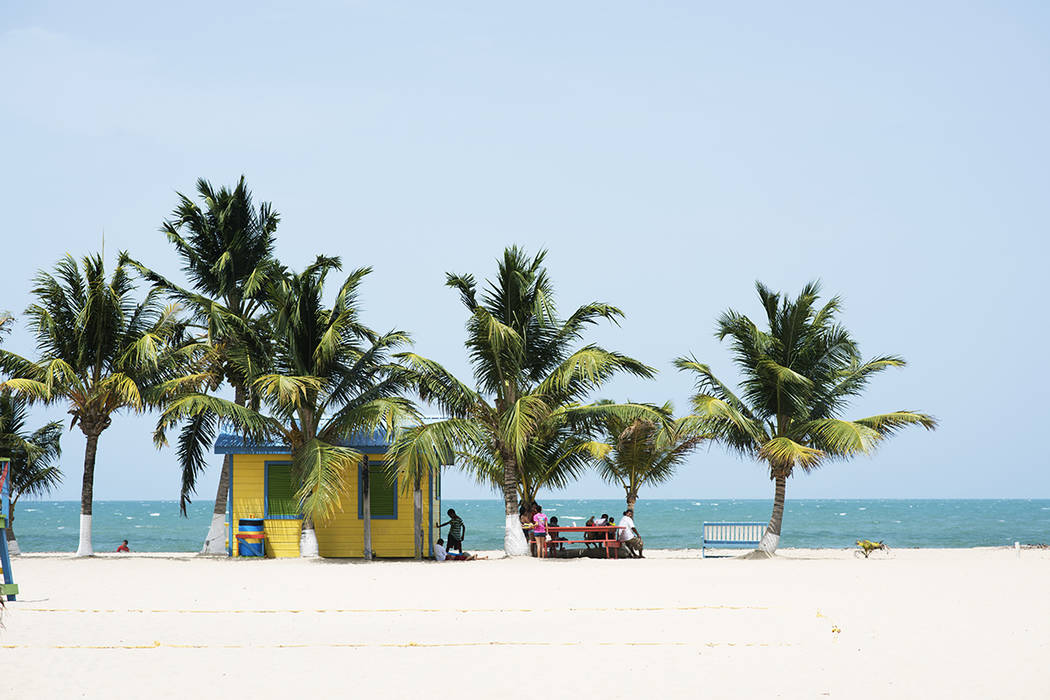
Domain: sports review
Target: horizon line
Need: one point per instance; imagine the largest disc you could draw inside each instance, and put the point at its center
(682, 498)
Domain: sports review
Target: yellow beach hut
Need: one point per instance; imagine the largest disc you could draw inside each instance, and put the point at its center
(262, 489)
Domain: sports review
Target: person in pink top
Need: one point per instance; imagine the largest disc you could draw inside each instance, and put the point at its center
(539, 531)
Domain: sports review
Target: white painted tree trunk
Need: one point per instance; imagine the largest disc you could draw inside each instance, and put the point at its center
(514, 542)
(769, 542)
(767, 547)
(215, 542)
(308, 542)
(12, 548)
(84, 549)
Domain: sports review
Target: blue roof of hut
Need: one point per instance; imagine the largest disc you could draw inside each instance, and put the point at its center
(232, 444)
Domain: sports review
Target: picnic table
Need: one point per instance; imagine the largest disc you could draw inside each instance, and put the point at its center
(607, 538)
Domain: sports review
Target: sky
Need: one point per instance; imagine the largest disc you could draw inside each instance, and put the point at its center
(668, 154)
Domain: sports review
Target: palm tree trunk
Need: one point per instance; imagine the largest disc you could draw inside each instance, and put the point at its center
(9, 530)
(215, 540)
(12, 543)
(632, 498)
(308, 539)
(84, 548)
(514, 543)
(366, 508)
(768, 546)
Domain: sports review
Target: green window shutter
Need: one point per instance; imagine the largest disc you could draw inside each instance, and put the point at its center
(280, 493)
(382, 493)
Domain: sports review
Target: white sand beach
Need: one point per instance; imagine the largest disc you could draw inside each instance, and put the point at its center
(917, 624)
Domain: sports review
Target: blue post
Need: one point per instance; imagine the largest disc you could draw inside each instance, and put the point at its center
(229, 513)
(9, 586)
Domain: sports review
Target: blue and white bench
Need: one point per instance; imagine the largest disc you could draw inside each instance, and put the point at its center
(731, 534)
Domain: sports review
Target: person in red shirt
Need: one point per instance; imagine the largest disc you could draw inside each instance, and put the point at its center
(123, 547)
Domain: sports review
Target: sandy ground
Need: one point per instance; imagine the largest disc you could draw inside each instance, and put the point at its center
(810, 624)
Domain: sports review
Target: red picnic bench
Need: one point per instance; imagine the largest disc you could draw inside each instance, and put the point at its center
(251, 537)
(608, 538)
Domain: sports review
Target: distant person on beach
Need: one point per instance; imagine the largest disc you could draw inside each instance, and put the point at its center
(441, 554)
(123, 547)
(539, 531)
(457, 530)
(629, 536)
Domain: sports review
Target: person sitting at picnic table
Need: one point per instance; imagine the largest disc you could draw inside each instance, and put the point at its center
(525, 512)
(628, 534)
(457, 530)
(539, 532)
(526, 525)
(554, 536)
(589, 535)
(441, 554)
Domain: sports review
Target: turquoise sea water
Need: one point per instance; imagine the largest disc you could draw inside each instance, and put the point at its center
(155, 526)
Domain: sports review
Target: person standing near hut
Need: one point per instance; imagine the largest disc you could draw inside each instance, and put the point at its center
(457, 531)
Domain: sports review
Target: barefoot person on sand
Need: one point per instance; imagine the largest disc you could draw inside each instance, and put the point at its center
(441, 554)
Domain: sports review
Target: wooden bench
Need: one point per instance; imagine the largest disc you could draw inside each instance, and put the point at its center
(719, 534)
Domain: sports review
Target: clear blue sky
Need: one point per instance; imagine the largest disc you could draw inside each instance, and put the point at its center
(668, 154)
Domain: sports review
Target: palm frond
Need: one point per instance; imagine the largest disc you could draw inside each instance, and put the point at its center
(436, 385)
(195, 441)
(325, 474)
(889, 423)
(424, 448)
(839, 438)
(784, 454)
(253, 425)
(520, 421)
(286, 390)
(30, 389)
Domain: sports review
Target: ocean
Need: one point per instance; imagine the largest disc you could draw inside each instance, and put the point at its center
(156, 526)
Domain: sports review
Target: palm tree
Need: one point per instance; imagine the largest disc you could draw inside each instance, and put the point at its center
(32, 454)
(226, 247)
(332, 379)
(798, 377)
(100, 351)
(529, 379)
(557, 455)
(644, 451)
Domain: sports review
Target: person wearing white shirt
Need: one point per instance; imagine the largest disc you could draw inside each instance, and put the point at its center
(628, 534)
(441, 554)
